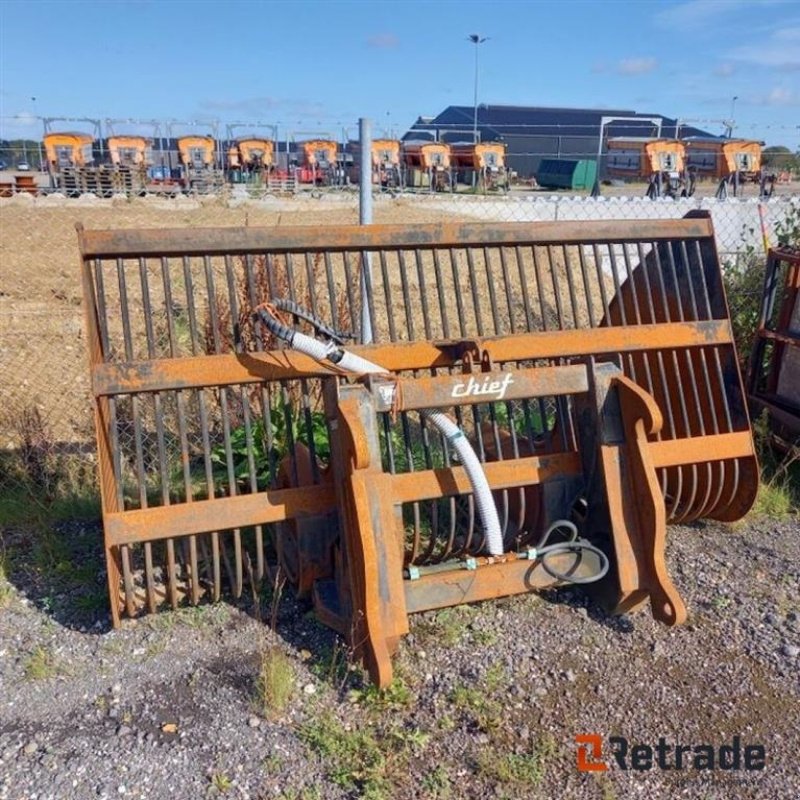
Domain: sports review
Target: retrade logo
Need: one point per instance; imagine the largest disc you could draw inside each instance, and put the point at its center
(663, 755)
(590, 751)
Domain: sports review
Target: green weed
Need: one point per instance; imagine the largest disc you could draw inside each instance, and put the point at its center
(355, 758)
(274, 683)
(41, 665)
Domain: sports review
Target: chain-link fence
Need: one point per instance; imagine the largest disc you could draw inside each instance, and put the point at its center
(46, 434)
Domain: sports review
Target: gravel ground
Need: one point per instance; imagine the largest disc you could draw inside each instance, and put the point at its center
(488, 702)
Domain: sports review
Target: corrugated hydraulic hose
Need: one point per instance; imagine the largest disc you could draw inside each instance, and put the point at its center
(350, 362)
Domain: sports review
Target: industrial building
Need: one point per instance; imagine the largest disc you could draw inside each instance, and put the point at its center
(532, 133)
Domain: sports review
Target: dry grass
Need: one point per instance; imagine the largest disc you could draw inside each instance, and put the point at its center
(42, 347)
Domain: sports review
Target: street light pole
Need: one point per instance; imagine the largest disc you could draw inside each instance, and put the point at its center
(477, 40)
(733, 111)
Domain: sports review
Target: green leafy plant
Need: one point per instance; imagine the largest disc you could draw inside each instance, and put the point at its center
(299, 427)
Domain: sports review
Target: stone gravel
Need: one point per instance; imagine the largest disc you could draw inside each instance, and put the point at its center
(492, 695)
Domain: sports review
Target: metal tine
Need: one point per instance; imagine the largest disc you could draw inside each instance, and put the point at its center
(172, 587)
(473, 283)
(248, 430)
(437, 271)
(139, 455)
(540, 289)
(692, 413)
(462, 319)
(353, 309)
(504, 514)
(676, 473)
(452, 508)
(529, 320)
(305, 398)
(369, 287)
(411, 467)
(425, 435)
(710, 407)
(269, 274)
(507, 286)
(587, 290)
(285, 397)
(498, 325)
(387, 293)
(562, 405)
(264, 401)
(631, 273)
(626, 260)
(570, 287)
(216, 544)
(423, 295)
(598, 264)
(194, 574)
(688, 359)
(618, 294)
(659, 354)
(332, 294)
(717, 361)
(410, 336)
(523, 282)
(213, 563)
(556, 287)
(476, 414)
(105, 343)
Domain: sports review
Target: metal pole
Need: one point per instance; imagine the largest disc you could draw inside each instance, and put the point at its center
(733, 111)
(475, 99)
(365, 218)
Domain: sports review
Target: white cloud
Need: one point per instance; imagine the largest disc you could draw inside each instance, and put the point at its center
(779, 52)
(695, 12)
(724, 70)
(636, 66)
(778, 96)
(383, 41)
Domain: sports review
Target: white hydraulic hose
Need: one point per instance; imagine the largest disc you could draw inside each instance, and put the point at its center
(349, 362)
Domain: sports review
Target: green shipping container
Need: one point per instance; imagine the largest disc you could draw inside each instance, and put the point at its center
(565, 173)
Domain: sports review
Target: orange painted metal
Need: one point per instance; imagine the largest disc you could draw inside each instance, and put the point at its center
(590, 360)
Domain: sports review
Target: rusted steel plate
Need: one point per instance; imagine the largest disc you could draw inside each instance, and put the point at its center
(436, 483)
(219, 241)
(241, 368)
(700, 449)
(487, 582)
(204, 516)
(443, 391)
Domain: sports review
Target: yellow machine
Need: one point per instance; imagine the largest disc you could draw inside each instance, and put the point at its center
(250, 159)
(254, 154)
(660, 162)
(129, 151)
(198, 156)
(68, 150)
(483, 164)
(428, 165)
(318, 162)
(721, 158)
(196, 152)
(386, 163)
(732, 162)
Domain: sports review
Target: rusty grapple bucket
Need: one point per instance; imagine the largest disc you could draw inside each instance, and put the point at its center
(590, 366)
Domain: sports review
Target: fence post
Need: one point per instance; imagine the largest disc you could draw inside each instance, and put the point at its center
(365, 218)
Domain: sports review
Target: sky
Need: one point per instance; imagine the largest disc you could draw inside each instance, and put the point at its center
(315, 65)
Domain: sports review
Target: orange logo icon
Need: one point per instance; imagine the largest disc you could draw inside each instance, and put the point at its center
(589, 760)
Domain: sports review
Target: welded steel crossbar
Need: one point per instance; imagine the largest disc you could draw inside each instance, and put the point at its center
(217, 447)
